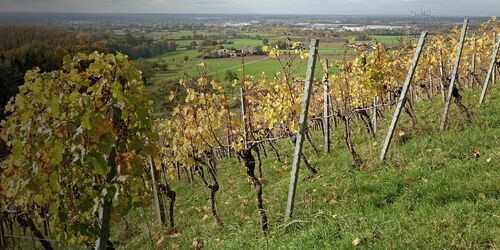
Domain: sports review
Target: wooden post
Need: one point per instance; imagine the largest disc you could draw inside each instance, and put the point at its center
(326, 113)
(375, 109)
(299, 141)
(228, 136)
(491, 68)
(444, 117)
(104, 218)
(402, 98)
(105, 204)
(494, 73)
(244, 118)
(160, 211)
(431, 84)
(441, 82)
(473, 62)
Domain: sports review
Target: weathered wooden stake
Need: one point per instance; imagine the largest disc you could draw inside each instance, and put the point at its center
(375, 110)
(444, 117)
(441, 82)
(228, 136)
(105, 205)
(299, 141)
(244, 118)
(326, 113)
(473, 62)
(402, 98)
(490, 71)
(494, 73)
(160, 211)
(431, 84)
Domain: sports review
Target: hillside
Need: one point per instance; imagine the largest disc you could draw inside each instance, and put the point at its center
(436, 190)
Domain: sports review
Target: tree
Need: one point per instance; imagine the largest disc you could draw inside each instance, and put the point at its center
(172, 46)
(265, 41)
(78, 136)
(231, 76)
(146, 67)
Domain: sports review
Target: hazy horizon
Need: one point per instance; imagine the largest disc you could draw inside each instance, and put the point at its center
(278, 7)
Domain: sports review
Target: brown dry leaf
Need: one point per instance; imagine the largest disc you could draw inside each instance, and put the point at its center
(170, 234)
(377, 235)
(160, 240)
(198, 243)
(475, 154)
(311, 178)
(173, 233)
(362, 167)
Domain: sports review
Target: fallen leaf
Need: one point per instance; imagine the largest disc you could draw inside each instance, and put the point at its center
(198, 243)
(171, 234)
(475, 154)
(161, 240)
(377, 235)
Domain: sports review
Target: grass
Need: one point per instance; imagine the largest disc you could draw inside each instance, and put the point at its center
(254, 66)
(178, 34)
(240, 43)
(333, 48)
(430, 193)
(390, 40)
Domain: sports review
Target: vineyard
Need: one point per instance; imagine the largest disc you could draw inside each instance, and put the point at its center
(89, 165)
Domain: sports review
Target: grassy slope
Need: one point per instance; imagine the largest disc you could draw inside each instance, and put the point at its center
(430, 194)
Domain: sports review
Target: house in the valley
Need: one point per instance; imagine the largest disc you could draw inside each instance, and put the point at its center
(361, 46)
(222, 52)
(248, 50)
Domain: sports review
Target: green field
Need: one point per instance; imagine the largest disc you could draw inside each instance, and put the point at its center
(178, 34)
(328, 49)
(336, 48)
(430, 194)
(178, 66)
(390, 40)
(254, 65)
(240, 43)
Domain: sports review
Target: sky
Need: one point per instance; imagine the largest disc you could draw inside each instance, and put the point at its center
(333, 7)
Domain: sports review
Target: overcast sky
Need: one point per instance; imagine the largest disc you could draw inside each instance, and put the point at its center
(378, 7)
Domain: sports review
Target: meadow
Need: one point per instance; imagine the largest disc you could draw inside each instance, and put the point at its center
(254, 65)
(437, 190)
